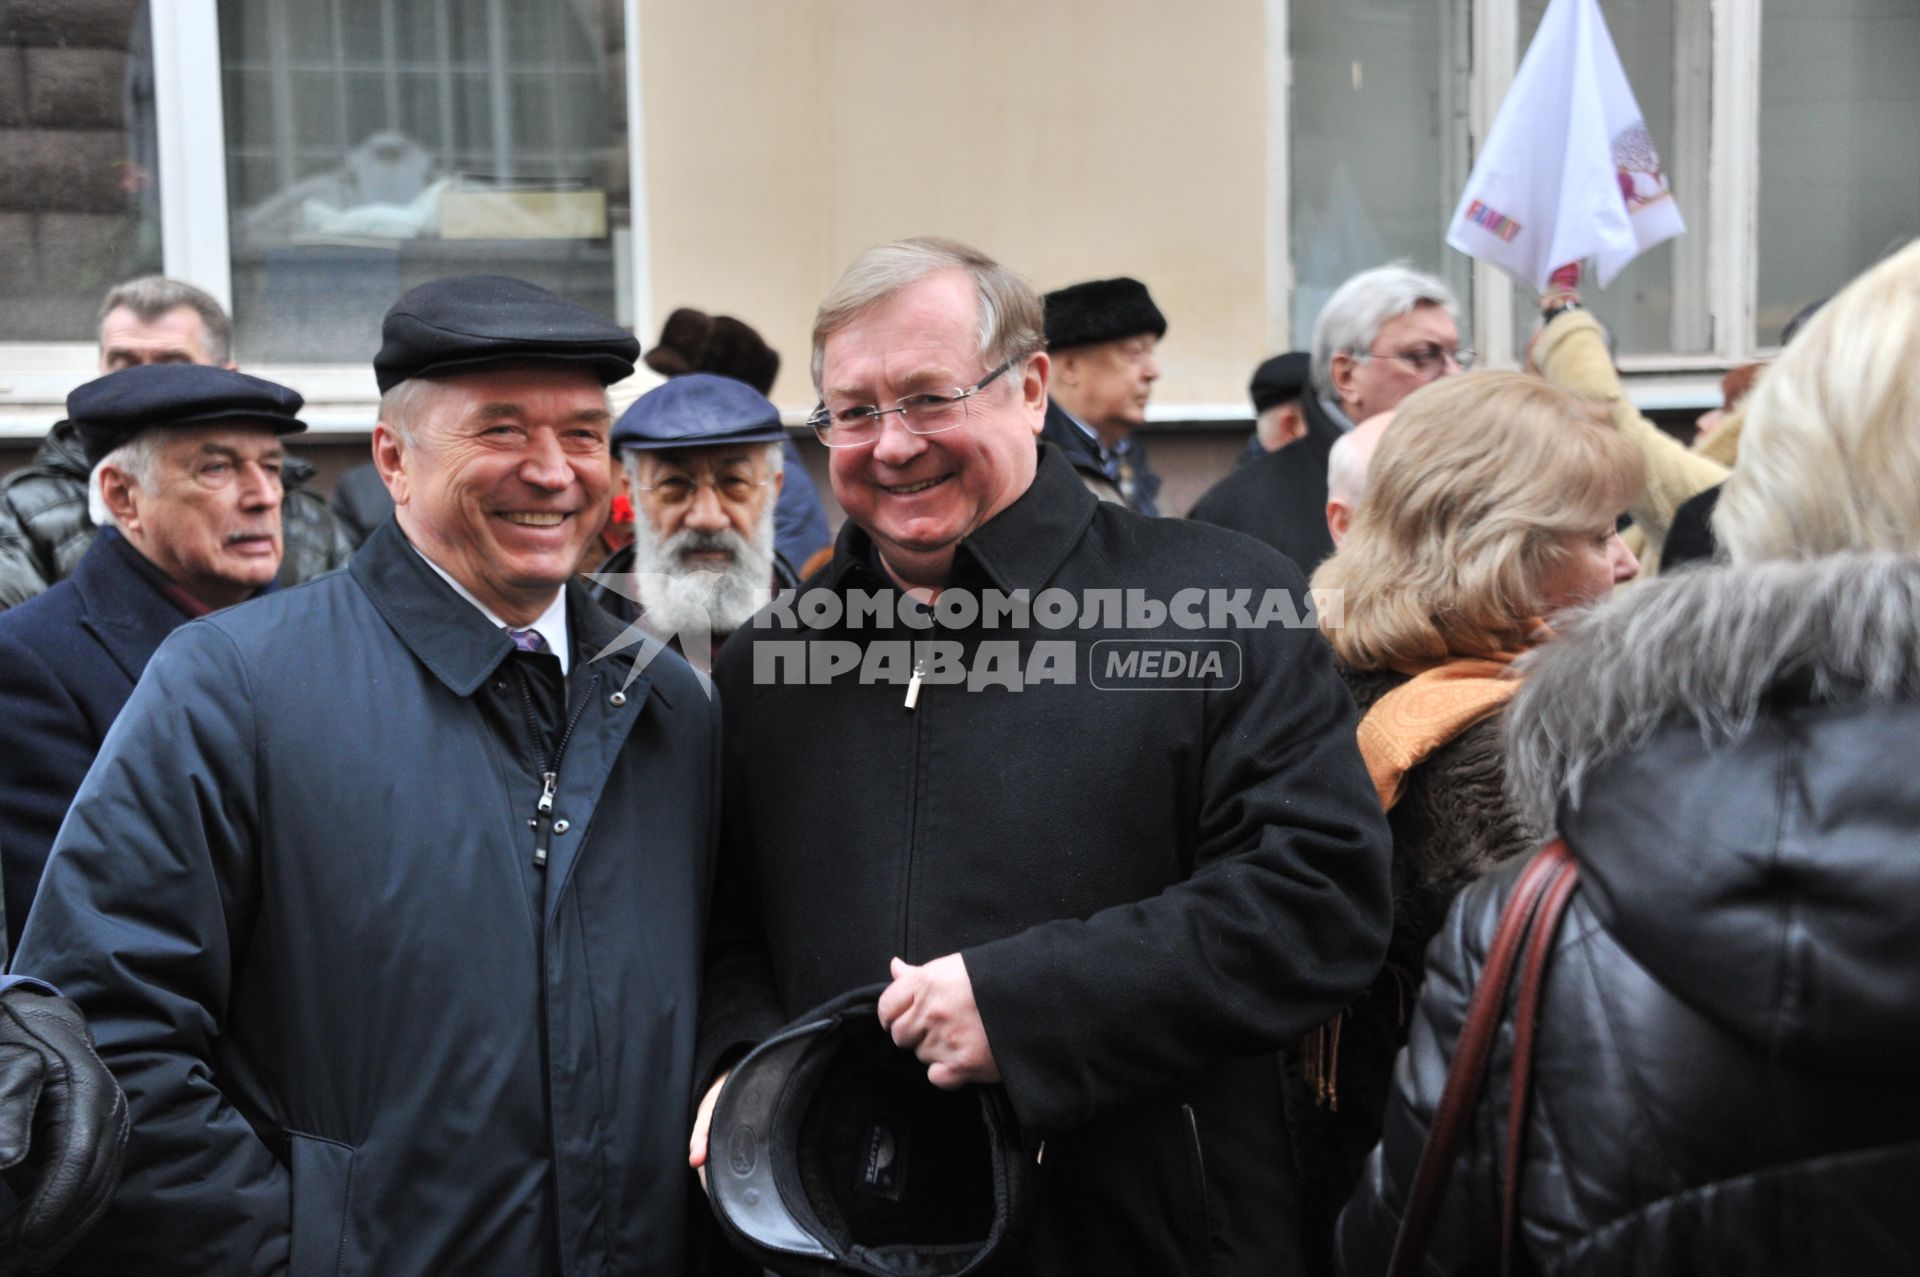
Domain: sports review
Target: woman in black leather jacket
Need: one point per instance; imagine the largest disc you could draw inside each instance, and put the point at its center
(1725, 1070)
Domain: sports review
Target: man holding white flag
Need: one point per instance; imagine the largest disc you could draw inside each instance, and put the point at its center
(1569, 171)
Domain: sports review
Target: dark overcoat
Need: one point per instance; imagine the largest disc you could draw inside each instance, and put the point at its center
(1101, 475)
(1152, 889)
(68, 661)
(1281, 498)
(358, 1029)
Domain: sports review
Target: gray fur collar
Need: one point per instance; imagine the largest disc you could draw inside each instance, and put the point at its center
(1707, 647)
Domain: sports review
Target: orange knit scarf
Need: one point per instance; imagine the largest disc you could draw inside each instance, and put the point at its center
(1442, 699)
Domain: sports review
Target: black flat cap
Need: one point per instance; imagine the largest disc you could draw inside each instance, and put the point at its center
(1279, 380)
(830, 1152)
(1101, 310)
(112, 409)
(698, 410)
(484, 321)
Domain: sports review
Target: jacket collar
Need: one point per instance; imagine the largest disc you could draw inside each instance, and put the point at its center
(121, 605)
(1075, 441)
(1021, 548)
(61, 452)
(448, 634)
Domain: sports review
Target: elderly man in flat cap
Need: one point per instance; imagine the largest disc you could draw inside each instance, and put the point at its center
(400, 978)
(185, 463)
(1101, 337)
(703, 457)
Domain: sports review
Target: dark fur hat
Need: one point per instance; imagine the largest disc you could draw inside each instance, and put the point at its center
(1101, 310)
(683, 338)
(694, 341)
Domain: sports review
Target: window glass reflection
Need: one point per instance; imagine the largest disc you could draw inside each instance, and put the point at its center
(1839, 153)
(1379, 142)
(80, 206)
(376, 144)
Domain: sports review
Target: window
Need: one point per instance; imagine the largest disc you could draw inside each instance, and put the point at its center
(79, 210)
(1839, 147)
(376, 144)
(1380, 143)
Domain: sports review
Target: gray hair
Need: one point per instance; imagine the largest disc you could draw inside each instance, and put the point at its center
(407, 404)
(1830, 452)
(1362, 306)
(152, 296)
(138, 458)
(1012, 319)
(403, 405)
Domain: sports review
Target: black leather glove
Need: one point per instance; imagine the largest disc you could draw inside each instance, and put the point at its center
(63, 1128)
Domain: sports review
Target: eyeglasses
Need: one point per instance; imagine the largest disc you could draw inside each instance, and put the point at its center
(1426, 361)
(927, 413)
(678, 490)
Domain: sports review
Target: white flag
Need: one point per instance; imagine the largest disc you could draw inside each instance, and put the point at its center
(1569, 170)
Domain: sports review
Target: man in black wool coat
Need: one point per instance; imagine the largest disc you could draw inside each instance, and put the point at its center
(1112, 850)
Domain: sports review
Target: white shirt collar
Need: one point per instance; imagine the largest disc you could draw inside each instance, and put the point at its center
(551, 624)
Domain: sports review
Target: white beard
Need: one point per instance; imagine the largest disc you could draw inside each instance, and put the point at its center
(680, 599)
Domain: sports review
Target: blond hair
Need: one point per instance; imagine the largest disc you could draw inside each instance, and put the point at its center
(1468, 501)
(1012, 320)
(1830, 452)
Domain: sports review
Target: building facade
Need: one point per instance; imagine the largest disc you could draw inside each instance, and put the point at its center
(309, 160)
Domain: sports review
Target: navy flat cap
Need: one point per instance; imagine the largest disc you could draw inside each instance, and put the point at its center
(110, 410)
(474, 322)
(1101, 310)
(699, 410)
(1279, 380)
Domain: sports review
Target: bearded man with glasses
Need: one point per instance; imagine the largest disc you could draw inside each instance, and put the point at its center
(702, 457)
(1115, 897)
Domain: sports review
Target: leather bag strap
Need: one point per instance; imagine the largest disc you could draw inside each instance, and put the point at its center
(1466, 1075)
(1526, 1016)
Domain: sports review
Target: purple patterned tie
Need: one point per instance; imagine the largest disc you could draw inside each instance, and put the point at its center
(527, 640)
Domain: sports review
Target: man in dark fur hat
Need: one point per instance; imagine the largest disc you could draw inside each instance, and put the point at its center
(1101, 336)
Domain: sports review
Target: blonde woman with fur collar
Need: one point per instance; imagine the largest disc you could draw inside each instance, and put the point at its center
(1724, 1077)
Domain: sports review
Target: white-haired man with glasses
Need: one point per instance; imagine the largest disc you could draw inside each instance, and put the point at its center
(1115, 895)
(1383, 334)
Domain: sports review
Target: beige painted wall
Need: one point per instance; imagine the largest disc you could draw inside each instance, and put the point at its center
(1072, 139)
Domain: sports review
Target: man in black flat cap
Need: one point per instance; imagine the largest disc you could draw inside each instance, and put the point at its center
(1278, 416)
(401, 978)
(186, 472)
(703, 459)
(1101, 337)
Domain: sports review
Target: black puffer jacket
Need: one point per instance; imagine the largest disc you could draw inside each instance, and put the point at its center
(45, 531)
(1725, 1068)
